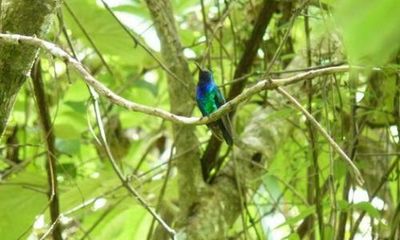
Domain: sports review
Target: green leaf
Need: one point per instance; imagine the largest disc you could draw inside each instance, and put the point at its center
(343, 205)
(77, 91)
(68, 146)
(19, 205)
(67, 169)
(328, 232)
(293, 220)
(105, 32)
(293, 236)
(125, 221)
(273, 187)
(137, 8)
(88, 188)
(340, 168)
(78, 106)
(367, 207)
(146, 85)
(180, 6)
(370, 29)
(66, 131)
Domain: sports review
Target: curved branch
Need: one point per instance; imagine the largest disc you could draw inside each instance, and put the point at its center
(227, 107)
(102, 90)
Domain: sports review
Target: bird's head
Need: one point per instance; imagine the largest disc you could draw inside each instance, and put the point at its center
(205, 75)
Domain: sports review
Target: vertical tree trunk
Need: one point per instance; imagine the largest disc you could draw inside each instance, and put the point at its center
(181, 95)
(27, 17)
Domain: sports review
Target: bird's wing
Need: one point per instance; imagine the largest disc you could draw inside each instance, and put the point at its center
(201, 107)
(219, 98)
(226, 122)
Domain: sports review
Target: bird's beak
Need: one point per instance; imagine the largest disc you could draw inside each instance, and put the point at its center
(198, 66)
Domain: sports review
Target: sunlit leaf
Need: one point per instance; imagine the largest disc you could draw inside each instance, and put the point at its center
(303, 214)
(20, 204)
(79, 107)
(105, 32)
(369, 28)
(367, 206)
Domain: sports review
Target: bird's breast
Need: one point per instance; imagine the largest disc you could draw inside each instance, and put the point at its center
(206, 100)
(203, 90)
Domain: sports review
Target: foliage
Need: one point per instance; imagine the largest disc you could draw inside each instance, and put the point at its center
(360, 109)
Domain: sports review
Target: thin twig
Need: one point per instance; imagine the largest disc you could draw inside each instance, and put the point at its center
(205, 28)
(124, 180)
(285, 37)
(316, 124)
(102, 217)
(163, 188)
(87, 35)
(137, 41)
(241, 193)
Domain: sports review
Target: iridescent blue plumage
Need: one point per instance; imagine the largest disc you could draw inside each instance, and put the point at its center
(209, 98)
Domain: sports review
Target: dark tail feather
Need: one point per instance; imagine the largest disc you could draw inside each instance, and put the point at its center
(225, 126)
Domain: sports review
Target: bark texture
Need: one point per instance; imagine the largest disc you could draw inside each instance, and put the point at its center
(181, 91)
(27, 17)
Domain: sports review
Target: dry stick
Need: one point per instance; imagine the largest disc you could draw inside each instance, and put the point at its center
(44, 117)
(316, 124)
(50, 230)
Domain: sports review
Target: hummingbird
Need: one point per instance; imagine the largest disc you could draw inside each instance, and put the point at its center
(209, 98)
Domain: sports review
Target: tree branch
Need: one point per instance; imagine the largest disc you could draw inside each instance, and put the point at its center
(324, 133)
(127, 104)
(229, 106)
